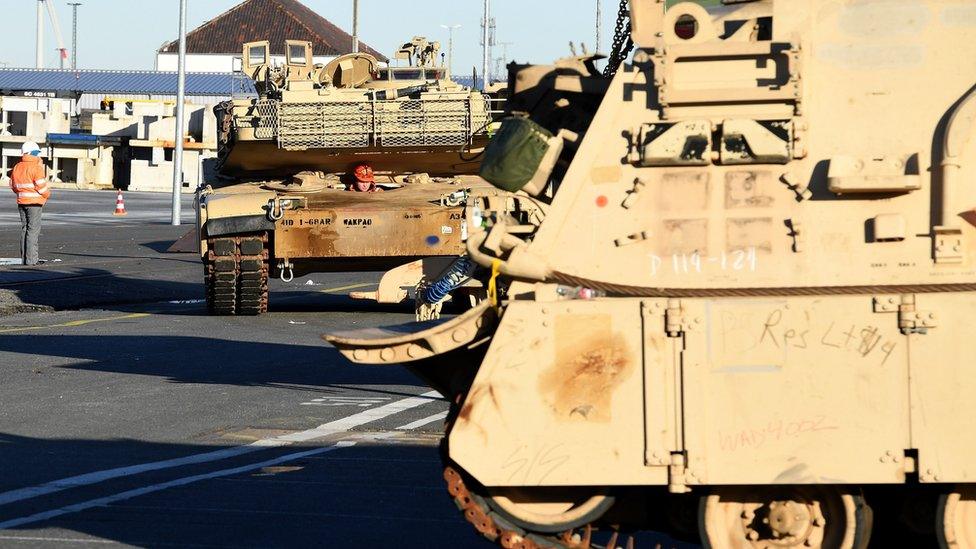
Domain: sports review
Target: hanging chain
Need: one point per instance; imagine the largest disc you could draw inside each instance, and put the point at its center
(622, 42)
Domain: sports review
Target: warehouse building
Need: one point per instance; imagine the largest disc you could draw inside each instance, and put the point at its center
(107, 129)
(87, 89)
(217, 44)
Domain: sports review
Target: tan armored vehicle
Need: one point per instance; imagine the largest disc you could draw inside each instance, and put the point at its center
(289, 156)
(748, 311)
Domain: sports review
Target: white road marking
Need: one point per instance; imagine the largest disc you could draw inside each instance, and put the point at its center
(129, 494)
(439, 416)
(324, 430)
(362, 418)
(362, 402)
(58, 540)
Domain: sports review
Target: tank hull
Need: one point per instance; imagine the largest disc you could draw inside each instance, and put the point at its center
(331, 230)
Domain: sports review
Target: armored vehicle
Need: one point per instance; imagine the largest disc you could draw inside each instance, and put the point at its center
(287, 158)
(402, 119)
(746, 313)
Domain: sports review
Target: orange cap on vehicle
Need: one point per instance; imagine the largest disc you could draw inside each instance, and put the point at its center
(364, 173)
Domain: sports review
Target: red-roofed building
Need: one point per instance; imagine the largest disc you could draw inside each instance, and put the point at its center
(215, 46)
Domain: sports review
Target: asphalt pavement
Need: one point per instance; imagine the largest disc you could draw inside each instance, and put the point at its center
(128, 416)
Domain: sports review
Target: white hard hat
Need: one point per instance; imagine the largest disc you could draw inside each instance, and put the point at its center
(29, 147)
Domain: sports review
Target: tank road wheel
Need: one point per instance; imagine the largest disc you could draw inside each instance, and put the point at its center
(237, 275)
(956, 518)
(518, 518)
(548, 510)
(790, 516)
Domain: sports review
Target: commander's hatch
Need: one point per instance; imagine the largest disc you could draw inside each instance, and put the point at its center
(349, 71)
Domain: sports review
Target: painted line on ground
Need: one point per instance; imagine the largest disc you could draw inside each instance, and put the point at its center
(74, 323)
(326, 291)
(58, 540)
(350, 287)
(129, 494)
(439, 416)
(327, 429)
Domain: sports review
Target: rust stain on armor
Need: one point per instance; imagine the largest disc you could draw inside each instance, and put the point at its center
(581, 383)
(476, 398)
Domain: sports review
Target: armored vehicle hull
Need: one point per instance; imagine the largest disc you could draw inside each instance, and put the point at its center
(329, 230)
(745, 313)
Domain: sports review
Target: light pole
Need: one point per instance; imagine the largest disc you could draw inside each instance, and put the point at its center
(450, 47)
(74, 34)
(39, 54)
(355, 26)
(486, 44)
(599, 18)
(180, 129)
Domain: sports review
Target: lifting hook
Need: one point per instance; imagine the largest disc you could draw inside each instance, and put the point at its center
(285, 271)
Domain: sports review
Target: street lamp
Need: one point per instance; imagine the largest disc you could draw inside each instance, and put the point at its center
(450, 47)
(180, 123)
(599, 20)
(74, 33)
(355, 26)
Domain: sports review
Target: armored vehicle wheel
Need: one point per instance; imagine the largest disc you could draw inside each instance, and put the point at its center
(527, 518)
(790, 516)
(956, 518)
(236, 275)
(548, 510)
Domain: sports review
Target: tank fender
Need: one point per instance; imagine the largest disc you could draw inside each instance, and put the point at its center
(418, 341)
(238, 225)
(238, 213)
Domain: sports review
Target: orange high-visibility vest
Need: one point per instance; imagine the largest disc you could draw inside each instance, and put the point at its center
(29, 181)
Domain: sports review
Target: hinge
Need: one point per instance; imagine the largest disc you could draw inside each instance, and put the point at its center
(948, 243)
(677, 474)
(911, 320)
(797, 232)
(674, 318)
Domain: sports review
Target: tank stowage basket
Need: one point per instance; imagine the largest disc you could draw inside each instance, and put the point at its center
(514, 155)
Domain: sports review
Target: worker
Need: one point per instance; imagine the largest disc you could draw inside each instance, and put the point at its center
(365, 181)
(29, 182)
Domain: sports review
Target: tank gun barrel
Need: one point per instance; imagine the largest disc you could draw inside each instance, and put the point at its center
(407, 91)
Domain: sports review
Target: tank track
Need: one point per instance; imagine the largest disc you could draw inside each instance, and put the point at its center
(236, 275)
(494, 527)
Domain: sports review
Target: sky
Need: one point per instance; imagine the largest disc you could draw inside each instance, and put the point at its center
(125, 34)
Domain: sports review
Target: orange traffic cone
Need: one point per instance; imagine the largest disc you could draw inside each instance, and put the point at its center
(120, 204)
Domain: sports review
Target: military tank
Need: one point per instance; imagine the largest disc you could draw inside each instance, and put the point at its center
(743, 317)
(286, 161)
